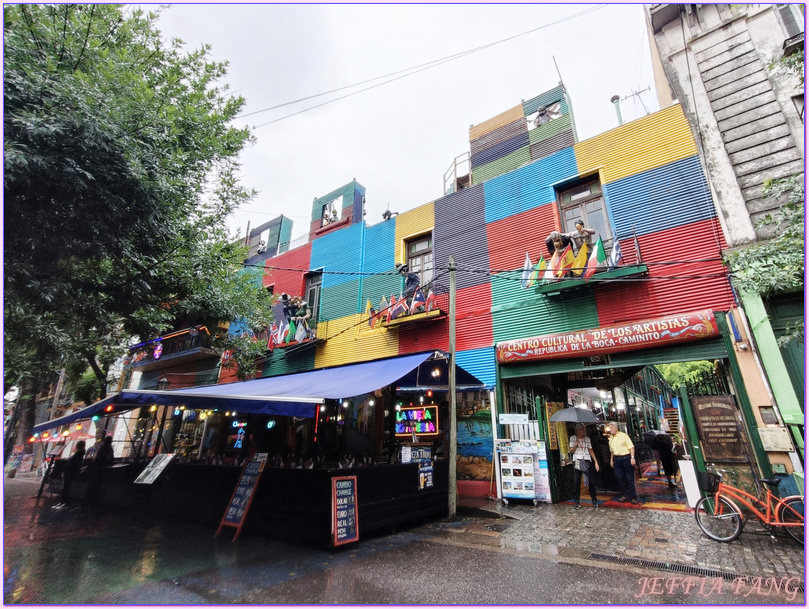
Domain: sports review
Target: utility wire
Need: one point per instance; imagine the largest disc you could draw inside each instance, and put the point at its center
(410, 71)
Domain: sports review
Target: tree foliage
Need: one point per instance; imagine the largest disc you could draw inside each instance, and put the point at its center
(120, 171)
(680, 373)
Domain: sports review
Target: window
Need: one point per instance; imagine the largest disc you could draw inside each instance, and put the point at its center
(331, 212)
(420, 259)
(791, 18)
(313, 283)
(585, 202)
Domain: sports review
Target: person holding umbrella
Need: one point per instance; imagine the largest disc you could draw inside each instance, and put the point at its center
(583, 458)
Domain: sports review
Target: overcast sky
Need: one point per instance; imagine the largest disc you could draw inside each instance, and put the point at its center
(398, 139)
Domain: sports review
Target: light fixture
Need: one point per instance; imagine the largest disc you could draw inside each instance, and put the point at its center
(436, 372)
(398, 407)
(370, 402)
(323, 408)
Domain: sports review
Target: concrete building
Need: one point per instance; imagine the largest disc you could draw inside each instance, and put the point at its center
(748, 122)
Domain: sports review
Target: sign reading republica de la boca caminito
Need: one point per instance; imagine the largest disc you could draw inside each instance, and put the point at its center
(656, 332)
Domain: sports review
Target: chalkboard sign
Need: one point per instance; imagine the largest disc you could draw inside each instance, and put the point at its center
(154, 469)
(236, 511)
(344, 510)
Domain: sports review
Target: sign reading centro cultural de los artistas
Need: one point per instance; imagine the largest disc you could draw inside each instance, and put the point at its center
(656, 332)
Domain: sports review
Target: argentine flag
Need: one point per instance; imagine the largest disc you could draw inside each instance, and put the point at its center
(526, 271)
(615, 256)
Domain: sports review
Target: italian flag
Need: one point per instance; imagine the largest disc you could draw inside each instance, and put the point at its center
(597, 259)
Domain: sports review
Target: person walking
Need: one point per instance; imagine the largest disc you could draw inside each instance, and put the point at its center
(72, 472)
(622, 459)
(584, 459)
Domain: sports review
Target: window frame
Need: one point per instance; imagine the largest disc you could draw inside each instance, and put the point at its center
(311, 284)
(428, 251)
(581, 204)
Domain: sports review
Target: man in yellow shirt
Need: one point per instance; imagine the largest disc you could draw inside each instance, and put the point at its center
(622, 459)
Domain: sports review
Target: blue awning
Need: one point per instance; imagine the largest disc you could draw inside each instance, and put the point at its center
(290, 394)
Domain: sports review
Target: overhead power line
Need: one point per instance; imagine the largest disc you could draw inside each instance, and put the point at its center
(406, 72)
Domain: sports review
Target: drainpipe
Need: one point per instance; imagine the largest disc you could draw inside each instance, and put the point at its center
(616, 101)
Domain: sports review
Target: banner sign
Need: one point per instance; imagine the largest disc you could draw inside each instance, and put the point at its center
(344, 510)
(657, 332)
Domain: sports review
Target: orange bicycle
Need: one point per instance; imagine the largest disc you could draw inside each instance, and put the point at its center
(722, 520)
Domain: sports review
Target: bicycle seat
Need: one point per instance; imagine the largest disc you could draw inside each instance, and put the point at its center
(771, 481)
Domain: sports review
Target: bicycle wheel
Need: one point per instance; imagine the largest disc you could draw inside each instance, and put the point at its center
(792, 511)
(720, 522)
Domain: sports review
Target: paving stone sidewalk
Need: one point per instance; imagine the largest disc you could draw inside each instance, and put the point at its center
(651, 535)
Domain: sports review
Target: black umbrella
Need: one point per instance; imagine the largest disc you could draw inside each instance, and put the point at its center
(574, 415)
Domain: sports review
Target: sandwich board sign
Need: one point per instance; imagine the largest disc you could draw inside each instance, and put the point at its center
(242, 497)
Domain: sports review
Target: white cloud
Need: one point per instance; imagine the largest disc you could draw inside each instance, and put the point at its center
(398, 139)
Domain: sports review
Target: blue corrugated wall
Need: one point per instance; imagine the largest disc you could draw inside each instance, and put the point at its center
(338, 251)
(659, 199)
(479, 362)
(529, 186)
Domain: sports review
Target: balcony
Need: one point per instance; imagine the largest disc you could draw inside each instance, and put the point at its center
(183, 347)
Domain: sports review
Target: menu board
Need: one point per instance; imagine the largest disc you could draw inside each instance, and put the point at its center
(720, 437)
(524, 470)
(344, 510)
(154, 469)
(242, 497)
(423, 457)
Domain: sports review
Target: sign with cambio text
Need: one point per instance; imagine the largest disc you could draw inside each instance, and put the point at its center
(345, 527)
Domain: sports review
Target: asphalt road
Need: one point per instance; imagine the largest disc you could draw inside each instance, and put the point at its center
(74, 557)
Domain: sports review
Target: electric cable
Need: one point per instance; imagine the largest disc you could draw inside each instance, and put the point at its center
(410, 71)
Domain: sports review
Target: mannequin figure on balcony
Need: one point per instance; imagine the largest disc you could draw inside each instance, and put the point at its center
(582, 235)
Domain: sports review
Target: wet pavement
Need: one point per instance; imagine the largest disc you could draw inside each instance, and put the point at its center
(515, 554)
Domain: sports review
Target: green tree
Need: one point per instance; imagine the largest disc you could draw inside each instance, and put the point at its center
(120, 171)
(680, 373)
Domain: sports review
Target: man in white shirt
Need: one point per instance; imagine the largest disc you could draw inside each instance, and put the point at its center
(584, 459)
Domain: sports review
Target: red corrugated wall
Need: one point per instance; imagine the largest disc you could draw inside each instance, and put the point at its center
(473, 315)
(668, 288)
(511, 237)
(427, 335)
(291, 282)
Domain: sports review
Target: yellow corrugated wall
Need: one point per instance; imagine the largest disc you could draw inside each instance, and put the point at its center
(350, 340)
(643, 144)
(501, 120)
(411, 223)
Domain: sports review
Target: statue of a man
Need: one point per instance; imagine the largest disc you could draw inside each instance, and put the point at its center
(582, 235)
(557, 242)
